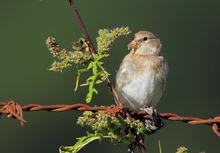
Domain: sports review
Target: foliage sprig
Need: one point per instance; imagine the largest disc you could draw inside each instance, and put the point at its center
(90, 62)
(103, 125)
(118, 128)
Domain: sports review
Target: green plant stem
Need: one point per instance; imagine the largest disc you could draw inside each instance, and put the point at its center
(160, 149)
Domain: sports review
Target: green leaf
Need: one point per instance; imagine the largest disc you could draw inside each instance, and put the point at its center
(82, 141)
(79, 73)
(98, 81)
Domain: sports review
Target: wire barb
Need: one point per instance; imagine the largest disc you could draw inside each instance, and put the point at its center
(15, 110)
(12, 109)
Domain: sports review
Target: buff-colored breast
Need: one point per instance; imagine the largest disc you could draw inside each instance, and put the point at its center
(141, 80)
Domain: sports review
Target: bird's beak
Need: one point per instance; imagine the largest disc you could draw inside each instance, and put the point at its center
(133, 45)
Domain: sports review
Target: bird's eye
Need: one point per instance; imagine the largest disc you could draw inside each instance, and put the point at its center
(145, 38)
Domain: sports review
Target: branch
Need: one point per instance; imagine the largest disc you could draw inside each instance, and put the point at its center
(141, 146)
(15, 110)
(91, 46)
(81, 24)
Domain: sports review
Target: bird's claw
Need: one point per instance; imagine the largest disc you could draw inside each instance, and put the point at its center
(155, 122)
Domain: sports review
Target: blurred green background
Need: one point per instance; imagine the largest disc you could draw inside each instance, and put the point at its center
(189, 31)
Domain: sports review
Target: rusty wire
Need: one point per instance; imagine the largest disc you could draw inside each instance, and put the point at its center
(15, 110)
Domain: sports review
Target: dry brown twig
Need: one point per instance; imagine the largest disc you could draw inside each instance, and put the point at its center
(81, 24)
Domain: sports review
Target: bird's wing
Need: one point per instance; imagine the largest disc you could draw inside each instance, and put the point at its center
(124, 74)
(165, 72)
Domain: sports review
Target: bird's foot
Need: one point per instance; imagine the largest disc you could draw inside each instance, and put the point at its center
(155, 122)
(148, 110)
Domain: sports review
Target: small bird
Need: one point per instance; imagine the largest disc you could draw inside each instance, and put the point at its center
(141, 78)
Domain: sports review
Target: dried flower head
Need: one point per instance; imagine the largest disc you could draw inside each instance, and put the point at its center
(52, 45)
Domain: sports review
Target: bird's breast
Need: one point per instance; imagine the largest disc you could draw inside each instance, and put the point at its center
(144, 83)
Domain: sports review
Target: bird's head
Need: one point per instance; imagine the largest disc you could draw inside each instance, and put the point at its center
(145, 43)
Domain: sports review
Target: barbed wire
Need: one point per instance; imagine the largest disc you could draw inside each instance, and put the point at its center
(15, 110)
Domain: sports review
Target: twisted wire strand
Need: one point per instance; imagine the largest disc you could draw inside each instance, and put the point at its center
(15, 110)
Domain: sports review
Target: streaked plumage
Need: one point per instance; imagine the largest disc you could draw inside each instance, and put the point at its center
(141, 78)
